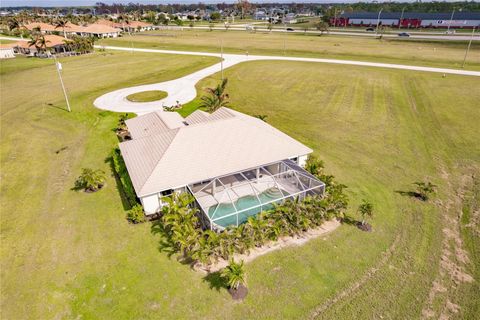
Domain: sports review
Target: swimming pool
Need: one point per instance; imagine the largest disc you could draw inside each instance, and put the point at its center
(250, 204)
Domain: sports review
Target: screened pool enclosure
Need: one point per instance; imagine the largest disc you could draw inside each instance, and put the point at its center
(231, 199)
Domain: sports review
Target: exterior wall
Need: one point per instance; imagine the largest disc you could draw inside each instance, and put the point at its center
(151, 204)
(445, 23)
(6, 53)
(302, 160)
(385, 22)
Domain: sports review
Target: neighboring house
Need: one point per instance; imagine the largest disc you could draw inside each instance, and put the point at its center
(290, 18)
(260, 15)
(131, 26)
(55, 44)
(94, 29)
(233, 164)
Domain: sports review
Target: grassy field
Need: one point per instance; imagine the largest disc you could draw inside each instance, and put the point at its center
(147, 96)
(68, 254)
(339, 47)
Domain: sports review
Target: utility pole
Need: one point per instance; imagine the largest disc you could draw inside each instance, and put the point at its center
(468, 48)
(401, 18)
(335, 18)
(221, 56)
(378, 20)
(451, 18)
(58, 65)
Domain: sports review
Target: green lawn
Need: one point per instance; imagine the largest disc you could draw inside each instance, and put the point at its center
(408, 52)
(67, 254)
(147, 96)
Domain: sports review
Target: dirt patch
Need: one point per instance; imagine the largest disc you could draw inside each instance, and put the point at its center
(454, 257)
(326, 227)
(240, 293)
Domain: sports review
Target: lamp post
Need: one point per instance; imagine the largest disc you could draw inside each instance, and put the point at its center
(221, 56)
(335, 18)
(451, 18)
(468, 48)
(378, 20)
(401, 18)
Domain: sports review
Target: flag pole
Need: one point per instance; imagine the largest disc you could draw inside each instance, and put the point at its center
(58, 66)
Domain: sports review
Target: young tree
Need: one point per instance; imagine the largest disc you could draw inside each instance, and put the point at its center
(322, 26)
(215, 16)
(90, 180)
(234, 273)
(366, 210)
(270, 26)
(424, 189)
(216, 97)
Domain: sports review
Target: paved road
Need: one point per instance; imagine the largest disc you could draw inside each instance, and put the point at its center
(182, 90)
(416, 36)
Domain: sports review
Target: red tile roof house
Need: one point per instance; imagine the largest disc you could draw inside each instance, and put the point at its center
(233, 164)
(130, 26)
(95, 29)
(54, 43)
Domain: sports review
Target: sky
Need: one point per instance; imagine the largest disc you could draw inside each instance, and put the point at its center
(65, 3)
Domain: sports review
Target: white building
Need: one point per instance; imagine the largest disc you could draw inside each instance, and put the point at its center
(233, 164)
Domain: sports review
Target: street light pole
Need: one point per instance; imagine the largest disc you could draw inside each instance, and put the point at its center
(335, 18)
(378, 20)
(221, 56)
(468, 48)
(401, 18)
(450, 23)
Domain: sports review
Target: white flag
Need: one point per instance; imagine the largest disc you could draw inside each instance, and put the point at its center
(59, 66)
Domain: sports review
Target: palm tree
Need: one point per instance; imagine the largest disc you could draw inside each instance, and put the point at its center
(42, 43)
(365, 210)
(234, 273)
(424, 189)
(14, 24)
(216, 97)
(61, 23)
(91, 180)
(262, 117)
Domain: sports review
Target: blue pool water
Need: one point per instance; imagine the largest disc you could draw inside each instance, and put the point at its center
(242, 203)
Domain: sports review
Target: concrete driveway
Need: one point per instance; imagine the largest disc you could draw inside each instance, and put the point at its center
(182, 90)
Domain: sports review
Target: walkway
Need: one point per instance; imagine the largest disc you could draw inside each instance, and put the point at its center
(182, 90)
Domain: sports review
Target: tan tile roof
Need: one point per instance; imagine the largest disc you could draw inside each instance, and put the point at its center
(154, 123)
(226, 142)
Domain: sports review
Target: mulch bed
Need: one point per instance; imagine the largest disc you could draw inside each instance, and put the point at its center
(367, 227)
(240, 293)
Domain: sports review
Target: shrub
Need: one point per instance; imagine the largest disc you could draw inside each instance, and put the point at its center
(136, 215)
(122, 173)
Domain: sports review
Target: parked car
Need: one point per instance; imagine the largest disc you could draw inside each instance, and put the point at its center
(370, 29)
(450, 32)
(290, 29)
(404, 34)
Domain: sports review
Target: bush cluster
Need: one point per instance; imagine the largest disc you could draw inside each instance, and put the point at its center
(182, 234)
(122, 173)
(136, 215)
